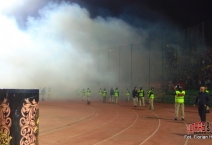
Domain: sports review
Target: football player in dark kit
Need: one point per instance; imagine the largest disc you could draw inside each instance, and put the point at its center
(202, 100)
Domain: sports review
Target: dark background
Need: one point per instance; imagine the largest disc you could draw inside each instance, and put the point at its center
(141, 13)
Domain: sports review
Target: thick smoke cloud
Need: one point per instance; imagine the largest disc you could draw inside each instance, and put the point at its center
(50, 44)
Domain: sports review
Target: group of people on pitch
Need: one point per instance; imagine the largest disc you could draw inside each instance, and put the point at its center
(138, 96)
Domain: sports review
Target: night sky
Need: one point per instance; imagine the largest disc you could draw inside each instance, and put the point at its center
(182, 13)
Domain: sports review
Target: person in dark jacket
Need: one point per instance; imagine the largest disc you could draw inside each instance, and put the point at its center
(202, 100)
(135, 97)
(111, 95)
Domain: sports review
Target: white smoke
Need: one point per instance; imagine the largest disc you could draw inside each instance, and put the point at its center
(51, 50)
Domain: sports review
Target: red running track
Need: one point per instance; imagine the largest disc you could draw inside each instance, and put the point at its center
(76, 123)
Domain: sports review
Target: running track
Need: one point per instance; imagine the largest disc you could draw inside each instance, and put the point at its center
(73, 122)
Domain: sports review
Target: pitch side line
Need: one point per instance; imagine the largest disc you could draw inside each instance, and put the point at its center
(120, 131)
(117, 114)
(187, 138)
(154, 131)
(188, 133)
(92, 116)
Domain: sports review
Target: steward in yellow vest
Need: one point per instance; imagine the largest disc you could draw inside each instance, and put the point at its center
(179, 97)
(83, 94)
(104, 94)
(141, 97)
(206, 90)
(141, 92)
(116, 95)
(100, 94)
(88, 95)
(127, 95)
(179, 103)
(151, 99)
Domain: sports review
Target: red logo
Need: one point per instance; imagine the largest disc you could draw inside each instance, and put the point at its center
(199, 127)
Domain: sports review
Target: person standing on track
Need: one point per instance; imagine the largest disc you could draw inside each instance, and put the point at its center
(88, 95)
(83, 94)
(111, 95)
(127, 95)
(151, 99)
(43, 93)
(206, 90)
(202, 100)
(179, 103)
(135, 97)
(116, 95)
(104, 94)
(100, 94)
(141, 97)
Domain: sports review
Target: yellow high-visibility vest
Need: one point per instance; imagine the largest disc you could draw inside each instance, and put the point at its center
(179, 97)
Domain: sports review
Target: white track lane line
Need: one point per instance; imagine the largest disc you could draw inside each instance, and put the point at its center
(187, 138)
(154, 131)
(70, 125)
(188, 133)
(120, 131)
(117, 114)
